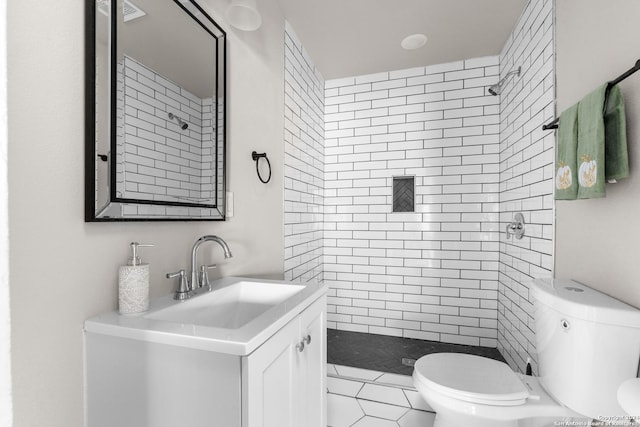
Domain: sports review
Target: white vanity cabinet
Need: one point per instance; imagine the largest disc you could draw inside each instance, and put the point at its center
(141, 372)
(284, 380)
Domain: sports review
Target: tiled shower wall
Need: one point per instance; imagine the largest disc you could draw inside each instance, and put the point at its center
(303, 163)
(433, 273)
(526, 177)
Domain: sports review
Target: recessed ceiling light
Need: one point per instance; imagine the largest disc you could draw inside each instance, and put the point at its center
(414, 41)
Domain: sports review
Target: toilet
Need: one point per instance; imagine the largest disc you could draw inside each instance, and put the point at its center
(588, 344)
(629, 399)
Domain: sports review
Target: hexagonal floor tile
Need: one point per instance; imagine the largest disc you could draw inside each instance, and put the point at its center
(342, 411)
(382, 410)
(375, 422)
(415, 418)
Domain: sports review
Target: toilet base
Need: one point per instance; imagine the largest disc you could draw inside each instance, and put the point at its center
(468, 420)
(459, 420)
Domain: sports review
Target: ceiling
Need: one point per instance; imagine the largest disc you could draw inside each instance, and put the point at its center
(171, 43)
(355, 37)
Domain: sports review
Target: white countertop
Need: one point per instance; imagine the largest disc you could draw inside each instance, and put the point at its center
(240, 342)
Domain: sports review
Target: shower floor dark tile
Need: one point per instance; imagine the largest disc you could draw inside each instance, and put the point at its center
(385, 353)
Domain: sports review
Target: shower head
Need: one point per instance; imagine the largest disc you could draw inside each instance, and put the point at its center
(183, 125)
(496, 89)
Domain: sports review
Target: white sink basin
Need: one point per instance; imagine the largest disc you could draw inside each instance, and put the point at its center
(229, 307)
(236, 317)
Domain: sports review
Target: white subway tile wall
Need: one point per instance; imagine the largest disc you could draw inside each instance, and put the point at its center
(220, 152)
(303, 163)
(433, 273)
(526, 177)
(162, 161)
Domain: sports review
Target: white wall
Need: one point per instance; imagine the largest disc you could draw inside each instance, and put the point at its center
(526, 176)
(64, 270)
(6, 410)
(429, 274)
(597, 240)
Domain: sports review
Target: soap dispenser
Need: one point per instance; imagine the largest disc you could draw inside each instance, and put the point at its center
(133, 284)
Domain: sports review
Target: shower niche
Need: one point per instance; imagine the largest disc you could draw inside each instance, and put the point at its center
(155, 112)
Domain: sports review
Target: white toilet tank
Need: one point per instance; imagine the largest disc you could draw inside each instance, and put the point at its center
(588, 343)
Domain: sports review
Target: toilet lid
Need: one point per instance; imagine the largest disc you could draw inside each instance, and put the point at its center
(471, 378)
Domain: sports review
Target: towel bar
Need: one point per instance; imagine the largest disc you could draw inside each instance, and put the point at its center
(554, 124)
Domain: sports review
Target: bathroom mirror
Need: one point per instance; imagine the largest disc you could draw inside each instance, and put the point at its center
(155, 112)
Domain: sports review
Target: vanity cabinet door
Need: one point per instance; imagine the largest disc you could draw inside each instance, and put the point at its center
(269, 381)
(313, 366)
(284, 380)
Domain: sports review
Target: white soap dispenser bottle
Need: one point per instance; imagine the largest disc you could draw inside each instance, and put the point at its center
(133, 284)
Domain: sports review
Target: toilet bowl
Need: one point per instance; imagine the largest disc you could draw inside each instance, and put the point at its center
(583, 338)
(629, 399)
(467, 390)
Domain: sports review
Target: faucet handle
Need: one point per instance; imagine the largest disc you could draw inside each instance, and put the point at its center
(182, 292)
(203, 279)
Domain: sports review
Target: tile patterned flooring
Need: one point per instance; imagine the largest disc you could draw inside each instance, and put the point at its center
(365, 398)
(368, 386)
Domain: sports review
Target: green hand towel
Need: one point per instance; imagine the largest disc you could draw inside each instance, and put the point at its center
(591, 134)
(566, 171)
(616, 155)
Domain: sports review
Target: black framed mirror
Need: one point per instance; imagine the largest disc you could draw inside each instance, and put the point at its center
(155, 112)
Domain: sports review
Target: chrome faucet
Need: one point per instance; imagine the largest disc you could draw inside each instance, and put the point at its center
(186, 287)
(195, 283)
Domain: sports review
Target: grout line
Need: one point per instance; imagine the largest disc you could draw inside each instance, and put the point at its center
(366, 381)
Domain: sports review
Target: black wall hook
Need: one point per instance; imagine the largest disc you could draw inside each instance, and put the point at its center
(256, 158)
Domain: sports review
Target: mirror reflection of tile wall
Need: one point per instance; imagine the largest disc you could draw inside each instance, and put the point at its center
(157, 160)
